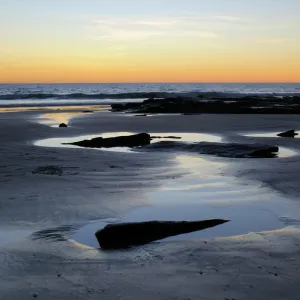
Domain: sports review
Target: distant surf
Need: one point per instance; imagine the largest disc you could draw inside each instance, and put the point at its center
(53, 94)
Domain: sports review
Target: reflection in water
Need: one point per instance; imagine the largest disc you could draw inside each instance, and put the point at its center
(54, 119)
(8, 235)
(64, 114)
(205, 192)
(286, 152)
(266, 134)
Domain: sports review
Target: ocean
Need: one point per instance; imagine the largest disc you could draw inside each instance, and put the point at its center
(108, 93)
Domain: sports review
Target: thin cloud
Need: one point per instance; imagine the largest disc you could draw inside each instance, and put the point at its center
(229, 18)
(125, 35)
(223, 18)
(132, 29)
(154, 23)
(129, 22)
(277, 40)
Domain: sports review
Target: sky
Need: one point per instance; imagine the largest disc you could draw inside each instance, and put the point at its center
(49, 41)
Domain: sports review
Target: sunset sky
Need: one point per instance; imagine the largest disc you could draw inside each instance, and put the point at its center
(149, 41)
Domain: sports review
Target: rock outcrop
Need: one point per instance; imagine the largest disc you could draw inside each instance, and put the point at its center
(214, 104)
(135, 140)
(124, 235)
(289, 133)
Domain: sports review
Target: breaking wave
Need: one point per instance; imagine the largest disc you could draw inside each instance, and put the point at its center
(139, 95)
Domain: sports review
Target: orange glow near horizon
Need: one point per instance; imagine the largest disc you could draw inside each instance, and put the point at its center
(154, 67)
(116, 42)
(63, 76)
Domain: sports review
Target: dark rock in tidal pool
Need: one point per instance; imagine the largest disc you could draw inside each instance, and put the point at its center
(124, 235)
(267, 152)
(134, 140)
(289, 133)
(63, 125)
(233, 150)
(141, 115)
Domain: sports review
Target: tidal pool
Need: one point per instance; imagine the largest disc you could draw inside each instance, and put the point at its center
(184, 137)
(205, 192)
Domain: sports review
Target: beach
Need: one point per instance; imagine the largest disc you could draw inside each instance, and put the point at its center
(149, 150)
(44, 256)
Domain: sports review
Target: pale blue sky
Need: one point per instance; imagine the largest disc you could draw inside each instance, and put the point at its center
(39, 17)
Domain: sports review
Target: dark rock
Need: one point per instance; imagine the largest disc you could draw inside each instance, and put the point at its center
(87, 111)
(233, 150)
(214, 103)
(289, 133)
(135, 140)
(116, 236)
(191, 114)
(142, 115)
(265, 152)
(166, 137)
(63, 125)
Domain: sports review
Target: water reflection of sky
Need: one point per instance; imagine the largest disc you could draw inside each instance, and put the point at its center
(54, 119)
(205, 192)
(8, 235)
(266, 134)
(65, 114)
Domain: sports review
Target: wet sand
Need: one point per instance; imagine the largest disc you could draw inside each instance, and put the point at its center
(42, 215)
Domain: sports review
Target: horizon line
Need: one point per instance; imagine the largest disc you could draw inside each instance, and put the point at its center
(159, 82)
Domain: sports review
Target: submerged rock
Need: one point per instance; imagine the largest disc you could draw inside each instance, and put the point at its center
(63, 125)
(117, 236)
(289, 133)
(134, 140)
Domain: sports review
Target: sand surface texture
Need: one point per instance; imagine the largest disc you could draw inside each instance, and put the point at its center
(50, 194)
